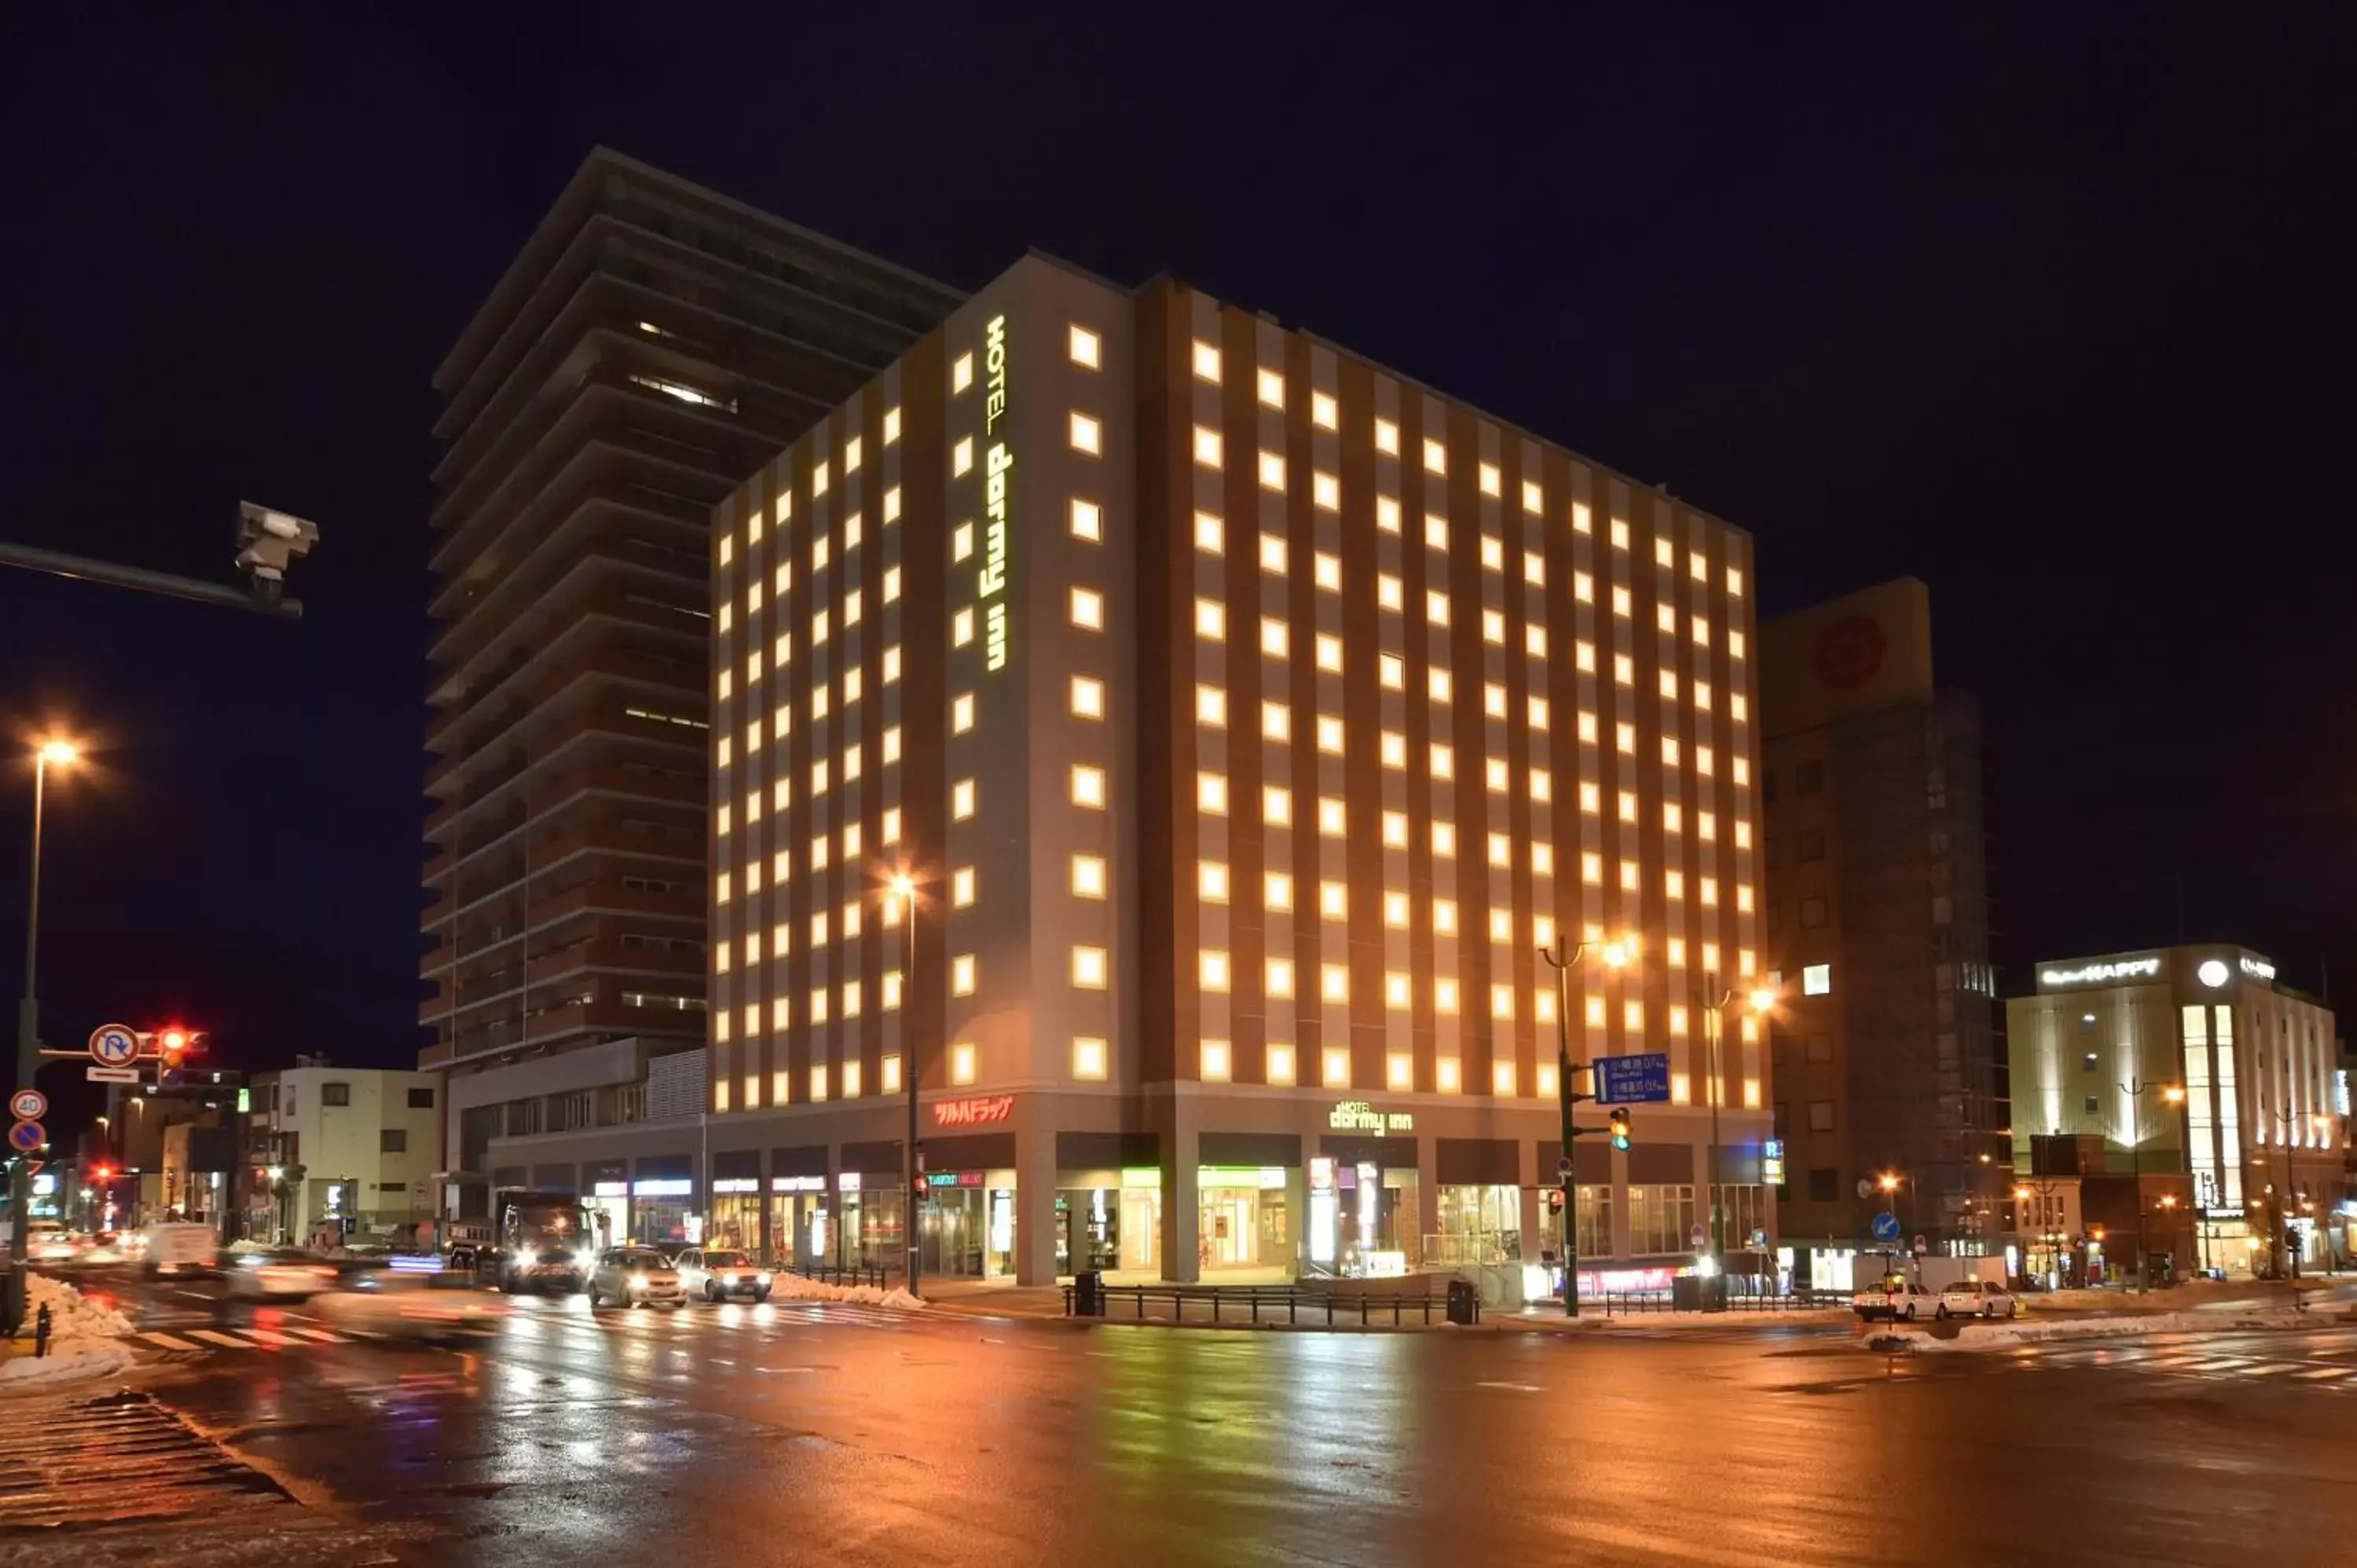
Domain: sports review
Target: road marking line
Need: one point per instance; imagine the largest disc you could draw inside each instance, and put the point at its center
(212, 1338)
(270, 1338)
(1518, 1388)
(321, 1335)
(2264, 1370)
(2323, 1372)
(193, 1295)
(169, 1342)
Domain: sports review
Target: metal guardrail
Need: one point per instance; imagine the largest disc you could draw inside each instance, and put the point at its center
(1627, 1304)
(875, 1275)
(1264, 1303)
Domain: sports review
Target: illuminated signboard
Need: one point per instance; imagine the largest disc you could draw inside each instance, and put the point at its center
(973, 1112)
(737, 1184)
(991, 588)
(2259, 967)
(1358, 1116)
(953, 1178)
(798, 1184)
(1771, 1162)
(2098, 974)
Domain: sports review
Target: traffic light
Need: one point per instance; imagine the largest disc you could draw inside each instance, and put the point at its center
(1620, 1127)
(1554, 1199)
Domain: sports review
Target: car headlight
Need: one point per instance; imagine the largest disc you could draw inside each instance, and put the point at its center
(637, 1282)
(526, 1257)
(763, 1277)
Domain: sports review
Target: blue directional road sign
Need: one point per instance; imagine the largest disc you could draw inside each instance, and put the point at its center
(1633, 1080)
(1886, 1227)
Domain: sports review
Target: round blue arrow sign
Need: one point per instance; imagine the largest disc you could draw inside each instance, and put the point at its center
(1886, 1227)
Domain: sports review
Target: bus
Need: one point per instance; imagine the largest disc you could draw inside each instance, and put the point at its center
(545, 1243)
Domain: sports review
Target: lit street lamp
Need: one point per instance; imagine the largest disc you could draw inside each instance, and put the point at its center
(901, 896)
(54, 752)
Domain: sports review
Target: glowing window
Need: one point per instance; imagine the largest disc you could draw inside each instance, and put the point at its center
(1089, 968)
(1326, 572)
(1272, 471)
(1446, 996)
(1277, 979)
(1435, 607)
(1277, 891)
(1436, 456)
(962, 456)
(1333, 900)
(1395, 830)
(1275, 640)
(1277, 805)
(1211, 970)
(1444, 840)
(961, 800)
(1207, 362)
(1211, 534)
(961, 373)
(1088, 876)
(962, 975)
(1387, 514)
(1336, 1067)
(1398, 995)
(1088, 697)
(1088, 610)
(961, 713)
(1326, 491)
(1210, 620)
(1214, 1060)
(1329, 654)
(1090, 1056)
(1334, 983)
(1211, 794)
(1276, 722)
(1493, 553)
(1088, 519)
(1734, 581)
(1270, 385)
(1208, 450)
(1389, 592)
(1083, 347)
(1391, 671)
(963, 1060)
(1212, 881)
(1492, 482)
(1280, 1064)
(961, 887)
(1388, 437)
(1329, 817)
(1392, 747)
(891, 427)
(1442, 760)
(1444, 916)
(1324, 412)
(1088, 787)
(1435, 532)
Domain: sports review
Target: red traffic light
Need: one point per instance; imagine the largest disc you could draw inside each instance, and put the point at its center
(175, 1039)
(102, 1173)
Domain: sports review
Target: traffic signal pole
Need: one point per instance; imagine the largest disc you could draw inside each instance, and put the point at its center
(29, 1061)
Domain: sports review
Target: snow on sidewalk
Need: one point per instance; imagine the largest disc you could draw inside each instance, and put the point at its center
(794, 1287)
(1976, 1336)
(85, 1338)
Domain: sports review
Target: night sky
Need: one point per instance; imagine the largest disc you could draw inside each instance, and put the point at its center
(2053, 316)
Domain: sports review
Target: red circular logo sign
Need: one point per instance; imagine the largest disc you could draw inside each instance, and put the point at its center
(1849, 652)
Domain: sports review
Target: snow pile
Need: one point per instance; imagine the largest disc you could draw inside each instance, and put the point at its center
(2004, 1336)
(82, 1339)
(794, 1287)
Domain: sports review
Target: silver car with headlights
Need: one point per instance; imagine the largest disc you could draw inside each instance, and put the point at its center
(634, 1276)
(717, 1273)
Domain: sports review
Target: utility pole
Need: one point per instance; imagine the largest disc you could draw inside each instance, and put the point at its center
(268, 541)
(1614, 955)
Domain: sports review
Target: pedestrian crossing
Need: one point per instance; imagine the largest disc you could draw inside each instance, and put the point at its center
(2325, 1360)
(80, 1464)
(182, 1342)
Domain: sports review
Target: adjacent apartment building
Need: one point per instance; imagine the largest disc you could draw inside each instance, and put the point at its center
(337, 1149)
(652, 345)
(1888, 1053)
(2188, 1092)
(1248, 717)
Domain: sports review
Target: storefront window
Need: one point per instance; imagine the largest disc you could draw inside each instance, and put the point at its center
(1480, 1225)
(1661, 1219)
(608, 1210)
(735, 1214)
(966, 1228)
(1595, 1233)
(1744, 1209)
(1242, 1218)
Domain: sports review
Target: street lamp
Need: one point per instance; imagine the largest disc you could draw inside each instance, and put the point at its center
(1615, 954)
(902, 898)
(1761, 1000)
(55, 752)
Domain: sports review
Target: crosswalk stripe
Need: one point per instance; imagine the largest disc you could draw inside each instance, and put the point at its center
(321, 1335)
(212, 1337)
(270, 1338)
(2323, 1372)
(167, 1341)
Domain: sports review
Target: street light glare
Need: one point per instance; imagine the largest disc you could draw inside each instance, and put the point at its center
(1888, 1182)
(60, 753)
(1763, 1000)
(1615, 954)
(903, 884)
(2174, 1094)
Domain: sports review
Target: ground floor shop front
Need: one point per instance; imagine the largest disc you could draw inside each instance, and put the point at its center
(1183, 1184)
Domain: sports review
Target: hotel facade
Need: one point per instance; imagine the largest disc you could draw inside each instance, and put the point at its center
(1248, 718)
(2188, 1087)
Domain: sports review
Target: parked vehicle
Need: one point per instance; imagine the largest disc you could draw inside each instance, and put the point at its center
(634, 1276)
(1977, 1298)
(1895, 1298)
(720, 1273)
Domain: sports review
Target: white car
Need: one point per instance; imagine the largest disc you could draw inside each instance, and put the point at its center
(277, 1272)
(1896, 1298)
(717, 1273)
(634, 1276)
(1977, 1298)
(413, 1305)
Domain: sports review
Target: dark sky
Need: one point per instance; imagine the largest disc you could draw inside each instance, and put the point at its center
(2050, 311)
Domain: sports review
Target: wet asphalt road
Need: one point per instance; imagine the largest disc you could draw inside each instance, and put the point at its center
(782, 1435)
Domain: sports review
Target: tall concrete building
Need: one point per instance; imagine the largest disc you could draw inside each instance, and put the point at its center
(652, 345)
(1889, 1056)
(1249, 716)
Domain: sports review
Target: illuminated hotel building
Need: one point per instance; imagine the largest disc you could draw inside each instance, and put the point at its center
(2193, 1085)
(1250, 717)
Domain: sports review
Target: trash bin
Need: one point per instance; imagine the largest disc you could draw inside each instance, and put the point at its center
(1464, 1302)
(1686, 1292)
(1088, 1294)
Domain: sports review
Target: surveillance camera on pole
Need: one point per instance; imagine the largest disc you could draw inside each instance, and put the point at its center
(267, 542)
